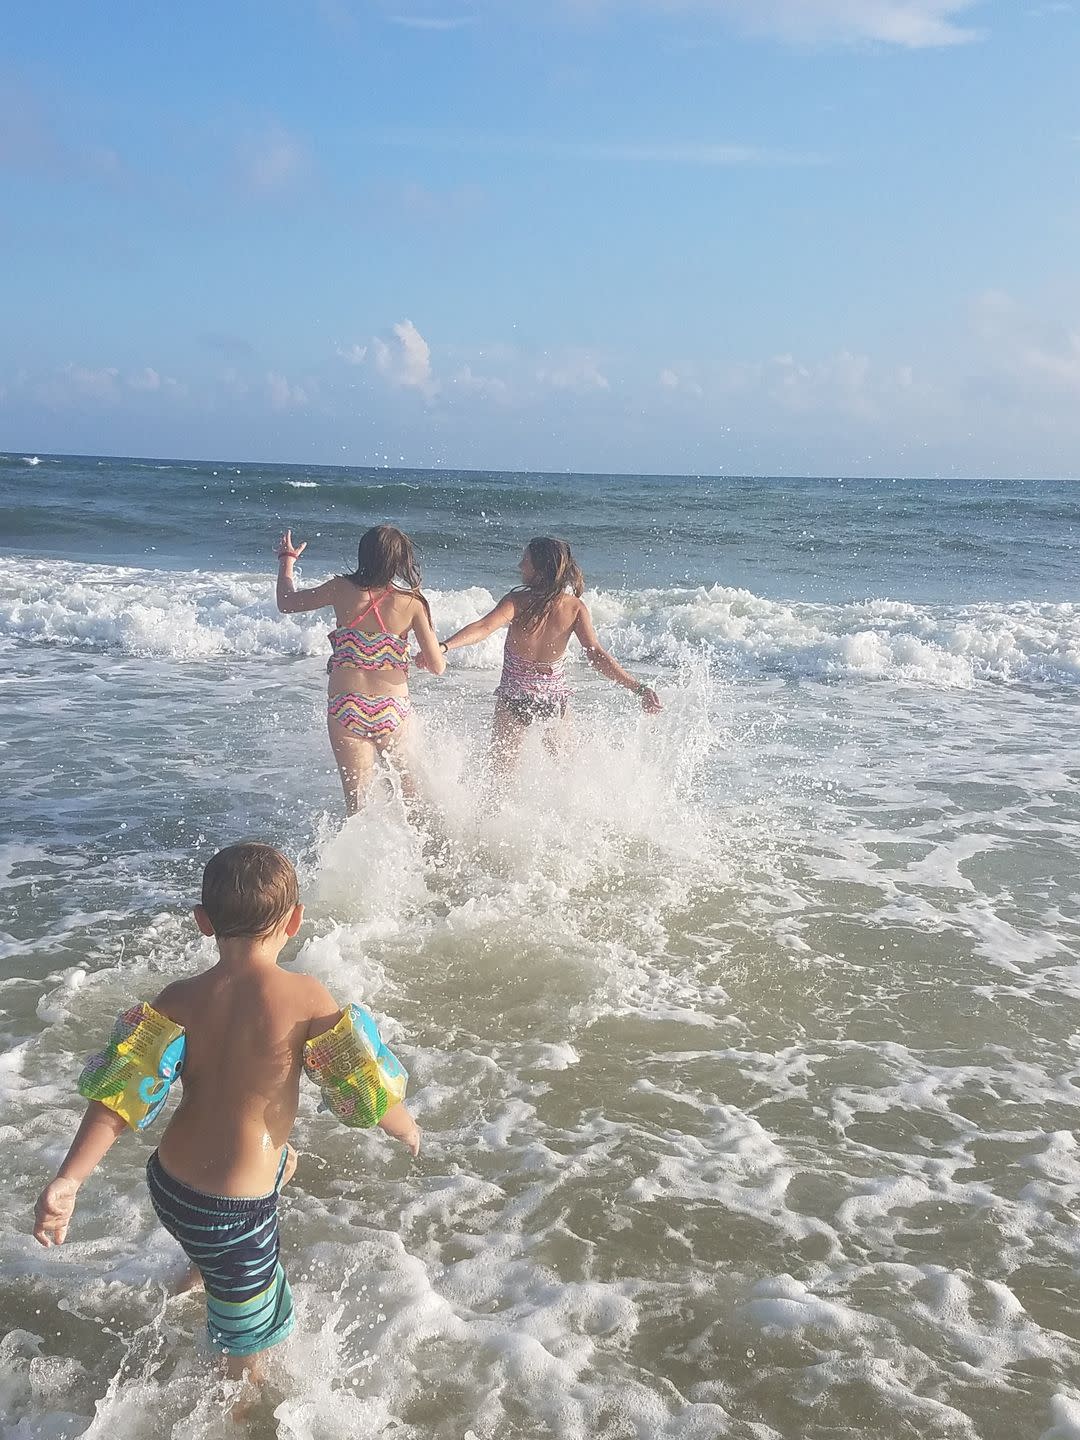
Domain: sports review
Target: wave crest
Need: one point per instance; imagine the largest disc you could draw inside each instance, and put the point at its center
(192, 616)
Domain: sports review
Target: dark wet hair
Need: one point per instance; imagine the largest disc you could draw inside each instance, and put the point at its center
(557, 571)
(248, 889)
(385, 559)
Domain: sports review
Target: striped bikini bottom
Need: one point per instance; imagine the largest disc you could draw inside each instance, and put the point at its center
(369, 717)
(531, 691)
(233, 1241)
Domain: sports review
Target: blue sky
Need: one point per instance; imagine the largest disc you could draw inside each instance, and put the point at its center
(741, 236)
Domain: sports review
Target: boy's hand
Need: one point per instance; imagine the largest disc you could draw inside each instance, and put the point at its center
(398, 1123)
(53, 1211)
(286, 550)
(650, 701)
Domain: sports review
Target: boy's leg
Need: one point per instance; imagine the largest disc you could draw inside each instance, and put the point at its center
(192, 1280)
(244, 1367)
(356, 760)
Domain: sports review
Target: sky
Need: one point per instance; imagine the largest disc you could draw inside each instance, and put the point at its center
(766, 237)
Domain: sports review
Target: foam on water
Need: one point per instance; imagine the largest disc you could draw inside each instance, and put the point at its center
(198, 616)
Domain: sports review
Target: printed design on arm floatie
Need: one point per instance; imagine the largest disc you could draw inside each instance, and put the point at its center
(142, 1059)
(359, 1077)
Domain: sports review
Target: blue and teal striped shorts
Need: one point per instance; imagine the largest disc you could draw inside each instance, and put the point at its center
(234, 1243)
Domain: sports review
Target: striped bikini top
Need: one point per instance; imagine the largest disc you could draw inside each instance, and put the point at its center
(368, 650)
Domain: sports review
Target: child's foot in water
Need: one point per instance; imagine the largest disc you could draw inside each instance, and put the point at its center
(189, 1281)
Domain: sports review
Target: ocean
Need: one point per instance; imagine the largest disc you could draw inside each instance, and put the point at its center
(745, 1040)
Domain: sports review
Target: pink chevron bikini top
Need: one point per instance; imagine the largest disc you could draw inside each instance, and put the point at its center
(368, 650)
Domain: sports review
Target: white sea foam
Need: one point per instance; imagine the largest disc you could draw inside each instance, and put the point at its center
(201, 615)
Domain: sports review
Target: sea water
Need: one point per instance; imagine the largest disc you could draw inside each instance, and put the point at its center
(745, 1040)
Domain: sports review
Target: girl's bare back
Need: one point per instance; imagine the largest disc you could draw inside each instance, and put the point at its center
(544, 644)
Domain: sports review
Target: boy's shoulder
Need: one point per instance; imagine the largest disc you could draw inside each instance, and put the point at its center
(306, 996)
(177, 1000)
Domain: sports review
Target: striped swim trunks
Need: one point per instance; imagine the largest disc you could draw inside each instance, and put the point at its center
(234, 1243)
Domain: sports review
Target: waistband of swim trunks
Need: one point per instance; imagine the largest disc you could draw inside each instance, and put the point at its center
(156, 1174)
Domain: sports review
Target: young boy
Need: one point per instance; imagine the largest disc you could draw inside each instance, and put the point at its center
(240, 1033)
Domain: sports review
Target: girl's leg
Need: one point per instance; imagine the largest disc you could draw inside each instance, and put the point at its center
(398, 749)
(507, 733)
(557, 734)
(356, 760)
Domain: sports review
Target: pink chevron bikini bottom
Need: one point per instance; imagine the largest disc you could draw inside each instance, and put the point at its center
(369, 717)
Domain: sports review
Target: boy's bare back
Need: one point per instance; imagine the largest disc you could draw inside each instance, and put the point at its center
(246, 1027)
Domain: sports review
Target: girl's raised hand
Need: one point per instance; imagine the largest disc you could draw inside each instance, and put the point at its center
(286, 550)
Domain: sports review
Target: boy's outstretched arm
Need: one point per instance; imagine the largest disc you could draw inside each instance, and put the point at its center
(398, 1123)
(99, 1129)
(608, 666)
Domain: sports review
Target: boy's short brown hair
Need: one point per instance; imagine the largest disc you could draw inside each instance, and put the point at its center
(248, 889)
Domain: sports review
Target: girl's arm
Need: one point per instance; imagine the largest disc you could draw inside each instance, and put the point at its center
(608, 666)
(100, 1129)
(431, 652)
(289, 599)
(496, 619)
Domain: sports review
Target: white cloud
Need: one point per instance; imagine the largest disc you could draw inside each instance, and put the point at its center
(146, 379)
(76, 386)
(432, 205)
(285, 396)
(490, 385)
(707, 154)
(272, 163)
(579, 371)
(99, 384)
(438, 23)
(406, 360)
(1039, 355)
(841, 381)
(352, 354)
(95, 387)
(845, 384)
(1060, 367)
(672, 380)
(31, 143)
(912, 24)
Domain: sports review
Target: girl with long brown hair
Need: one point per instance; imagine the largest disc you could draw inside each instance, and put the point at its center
(377, 607)
(541, 616)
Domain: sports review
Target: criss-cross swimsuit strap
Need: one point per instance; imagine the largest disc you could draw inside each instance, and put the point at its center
(373, 604)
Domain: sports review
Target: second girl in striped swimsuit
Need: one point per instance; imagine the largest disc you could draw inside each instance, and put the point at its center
(542, 616)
